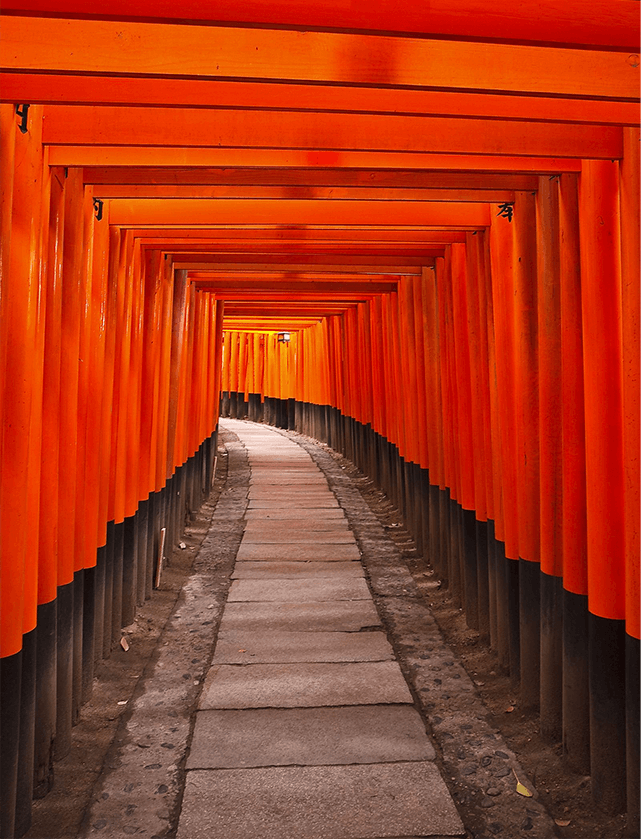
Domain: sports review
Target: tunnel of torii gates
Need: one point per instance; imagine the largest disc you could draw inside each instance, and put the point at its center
(439, 204)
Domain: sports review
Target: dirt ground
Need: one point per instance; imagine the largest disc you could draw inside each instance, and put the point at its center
(565, 795)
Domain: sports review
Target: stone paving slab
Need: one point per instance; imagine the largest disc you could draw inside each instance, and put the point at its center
(298, 469)
(318, 802)
(296, 570)
(271, 504)
(308, 737)
(294, 525)
(299, 590)
(329, 514)
(304, 685)
(291, 494)
(300, 537)
(281, 647)
(300, 552)
(341, 616)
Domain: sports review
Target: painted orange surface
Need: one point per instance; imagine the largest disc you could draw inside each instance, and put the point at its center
(596, 22)
(329, 179)
(325, 132)
(57, 89)
(602, 363)
(162, 49)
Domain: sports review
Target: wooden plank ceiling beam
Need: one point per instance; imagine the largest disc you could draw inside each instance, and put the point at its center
(583, 22)
(244, 129)
(194, 211)
(110, 47)
(96, 90)
(179, 156)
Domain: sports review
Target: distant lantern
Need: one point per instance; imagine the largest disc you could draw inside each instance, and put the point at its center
(284, 337)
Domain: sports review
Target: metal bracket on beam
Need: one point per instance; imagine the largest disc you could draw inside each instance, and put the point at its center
(97, 205)
(506, 210)
(22, 111)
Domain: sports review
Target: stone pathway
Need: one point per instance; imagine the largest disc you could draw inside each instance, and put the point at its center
(306, 728)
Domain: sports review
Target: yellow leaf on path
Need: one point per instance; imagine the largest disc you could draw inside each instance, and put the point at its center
(521, 789)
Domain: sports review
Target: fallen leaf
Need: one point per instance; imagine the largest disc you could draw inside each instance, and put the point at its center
(124, 702)
(242, 651)
(562, 822)
(509, 709)
(521, 789)
(124, 644)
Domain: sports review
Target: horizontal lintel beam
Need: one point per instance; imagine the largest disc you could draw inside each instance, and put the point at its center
(108, 47)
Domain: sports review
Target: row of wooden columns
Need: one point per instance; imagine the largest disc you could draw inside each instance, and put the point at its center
(495, 398)
(110, 366)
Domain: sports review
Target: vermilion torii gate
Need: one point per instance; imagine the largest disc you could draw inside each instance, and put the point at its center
(439, 204)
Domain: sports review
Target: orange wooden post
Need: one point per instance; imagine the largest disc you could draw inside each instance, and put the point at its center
(419, 328)
(602, 360)
(477, 341)
(96, 364)
(526, 416)
(48, 519)
(88, 485)
(496, 555)
(433, 415)
(576, 723)
(465, 446)
(31, 208)
(69, 560)
(440, 396)
(631, 436)
(551, 456)
(149, 418)
(501, 251)
(179, 308)
(408, 353)
(449, 516)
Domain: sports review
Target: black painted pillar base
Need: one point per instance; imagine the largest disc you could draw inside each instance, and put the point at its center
(530, 633)
(482, 581)
(444, 534)
(142, 528)
(116, 595)
(109, 586)
(88, 621)
(607, 713)
(576, 692)
(129, 570)
(503, 604)
(632, 732)
(64, 656)
(471, 590)
(45, 699)
(551, 657)
(456, 569)
(434, 550)
(24, 792)
(492, 572)
(10, 685)
(78, 609)
(513, 568)
(99, 603)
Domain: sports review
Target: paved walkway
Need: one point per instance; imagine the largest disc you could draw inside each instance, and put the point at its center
(306, 728)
